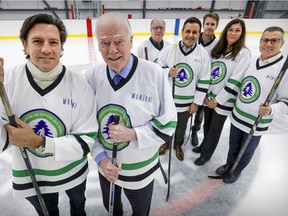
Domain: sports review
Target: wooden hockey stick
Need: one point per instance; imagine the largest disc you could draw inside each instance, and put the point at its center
(23, 150)
(257, 121)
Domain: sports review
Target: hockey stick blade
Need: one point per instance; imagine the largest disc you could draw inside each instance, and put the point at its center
(217, 177)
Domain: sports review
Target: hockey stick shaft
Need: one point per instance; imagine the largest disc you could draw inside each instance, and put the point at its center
(23, 151)
(114, 162)
(257, 121)
(146, 53)
(171, 140)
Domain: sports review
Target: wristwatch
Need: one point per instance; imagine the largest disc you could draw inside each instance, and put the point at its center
(41, 148)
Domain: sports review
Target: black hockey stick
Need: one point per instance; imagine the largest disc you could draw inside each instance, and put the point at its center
(23, 150)
(146, 53)
(114, 162)
(171, 140)
(257, 121)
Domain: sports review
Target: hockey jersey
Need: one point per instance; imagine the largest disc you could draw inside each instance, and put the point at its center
(193, 75)
(226, 77)
(147, 50)
(256, 85)
(64, 112)
(144, 102)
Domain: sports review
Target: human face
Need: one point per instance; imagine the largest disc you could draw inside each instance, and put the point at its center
(270, 49)
(234, 32)
(190, 34)
(157, 30)
(44, 47)
(114, 43)
(210, 25)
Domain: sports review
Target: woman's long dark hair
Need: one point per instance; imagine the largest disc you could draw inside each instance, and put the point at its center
(220, 48)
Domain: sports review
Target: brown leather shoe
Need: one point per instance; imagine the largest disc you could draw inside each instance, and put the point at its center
(163, 148)
(179, 153)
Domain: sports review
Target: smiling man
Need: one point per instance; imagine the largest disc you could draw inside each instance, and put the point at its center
(138, 91)
(150, 49)
(187, 64)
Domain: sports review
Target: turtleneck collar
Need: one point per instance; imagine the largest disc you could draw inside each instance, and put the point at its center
(44, 79)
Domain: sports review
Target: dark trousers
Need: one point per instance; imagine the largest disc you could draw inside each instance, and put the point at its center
(181, 128)
(140, 200)
(198, 118)
(76, 196)
(236, 140)
(213, 130)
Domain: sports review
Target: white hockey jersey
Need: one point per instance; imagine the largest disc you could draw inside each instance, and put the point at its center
(64, 111)
(144, 102)
(256, 85)
(193, 76)
(208, 46)
(226, 77)
(147, 50)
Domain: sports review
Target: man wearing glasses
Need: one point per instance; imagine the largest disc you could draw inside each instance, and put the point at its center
(256, 85)
(150, 48)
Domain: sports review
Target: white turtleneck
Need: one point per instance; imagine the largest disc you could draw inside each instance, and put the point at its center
(44, 79)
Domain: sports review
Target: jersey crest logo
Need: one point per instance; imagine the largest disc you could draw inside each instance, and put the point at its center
(250, 90)
(184, 75)
(44, 123)
(105, 117)
(218, 72)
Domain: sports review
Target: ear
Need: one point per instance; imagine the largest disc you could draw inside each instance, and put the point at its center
(24, 44)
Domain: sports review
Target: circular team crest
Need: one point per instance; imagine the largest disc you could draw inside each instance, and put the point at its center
(218, 72)
(105, 117)
(250, 90)
(184, 75)
(44, 123)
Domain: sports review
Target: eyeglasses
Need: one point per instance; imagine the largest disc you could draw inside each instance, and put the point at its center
(155, 28)
(235, 31)
(273, 41)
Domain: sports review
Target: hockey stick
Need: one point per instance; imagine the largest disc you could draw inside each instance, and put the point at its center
(114, 162)
(23, 151)
(146, 53)
(257, 121)
(171, 140)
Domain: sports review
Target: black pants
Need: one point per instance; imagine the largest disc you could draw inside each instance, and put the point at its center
(76, 198)
(181, 127)
(198, 118)
(213, 127)
(140, 200)
(236, 140)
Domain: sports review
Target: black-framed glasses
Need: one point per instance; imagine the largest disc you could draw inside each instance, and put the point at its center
(273, 41)
(155, 28)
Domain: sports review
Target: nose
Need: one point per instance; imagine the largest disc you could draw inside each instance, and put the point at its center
(113, 48)
(46, 48)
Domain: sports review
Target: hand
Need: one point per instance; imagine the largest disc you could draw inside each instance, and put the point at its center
(206, 100)
(110, 171)
(193, 108)
(173, 72)
(212, 104)
(23, 136)
(120, 133)
(264, 110)
(1, 70)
